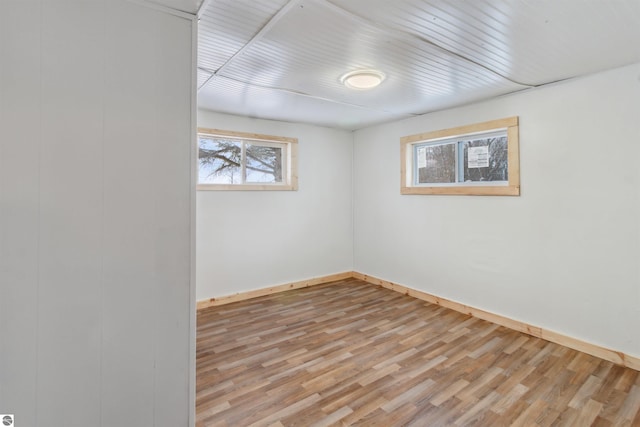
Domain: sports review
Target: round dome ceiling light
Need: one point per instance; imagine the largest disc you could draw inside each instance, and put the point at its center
(362, 79)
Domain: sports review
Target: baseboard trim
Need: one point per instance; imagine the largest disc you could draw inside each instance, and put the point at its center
(614, 356)
(241, 296)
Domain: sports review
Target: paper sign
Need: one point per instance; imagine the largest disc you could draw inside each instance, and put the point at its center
(422, 157)
(478, 157)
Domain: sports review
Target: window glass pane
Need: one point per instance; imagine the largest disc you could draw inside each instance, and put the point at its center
(219, 161)
(264, 163)
(485, 159)
(436, 163)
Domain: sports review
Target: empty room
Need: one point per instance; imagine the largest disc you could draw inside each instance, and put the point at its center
(505, 294)
(319, 213)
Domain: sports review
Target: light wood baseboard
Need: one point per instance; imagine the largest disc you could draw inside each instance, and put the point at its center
(536, 331)
(212, 302)
(614, 356)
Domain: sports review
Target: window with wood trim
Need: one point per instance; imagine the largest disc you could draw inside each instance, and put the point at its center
(479, 159)
(230, 160)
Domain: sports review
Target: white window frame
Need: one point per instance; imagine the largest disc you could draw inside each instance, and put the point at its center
(290, 156)
(455, 136)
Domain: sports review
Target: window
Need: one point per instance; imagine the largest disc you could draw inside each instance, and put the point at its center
(480, 159)
(241, 161)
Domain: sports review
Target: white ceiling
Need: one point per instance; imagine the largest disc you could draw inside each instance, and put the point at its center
(282, 60)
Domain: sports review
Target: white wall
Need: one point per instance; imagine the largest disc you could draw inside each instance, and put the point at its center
(95, 213)
(250, 239)
(565, 255)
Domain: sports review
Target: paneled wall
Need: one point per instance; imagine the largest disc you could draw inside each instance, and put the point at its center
(95, 213)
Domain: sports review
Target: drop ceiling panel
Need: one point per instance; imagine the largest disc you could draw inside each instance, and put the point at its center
(228, 96)
(533, 42)
(225, 26)
(203, 77)
(282, 60)
(313, 44)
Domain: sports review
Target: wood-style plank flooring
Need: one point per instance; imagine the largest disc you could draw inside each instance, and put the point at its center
(351, 353)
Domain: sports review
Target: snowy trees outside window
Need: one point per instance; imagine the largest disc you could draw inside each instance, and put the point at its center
(233, 160)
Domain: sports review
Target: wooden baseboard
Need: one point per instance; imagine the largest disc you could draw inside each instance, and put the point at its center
(212, 302)
(617, 357)
(536, 331)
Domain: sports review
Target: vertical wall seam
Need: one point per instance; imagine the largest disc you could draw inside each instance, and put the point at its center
(154, 296)
(102, 210)
(39, 215)
(2, 221)
(192, 276)
(3, 303)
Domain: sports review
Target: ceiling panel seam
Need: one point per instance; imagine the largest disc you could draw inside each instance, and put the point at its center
(166, 9)
(272, 22)
(307, 95)
(408, 36)
(204, 70)
(203, 7)
(414, 37)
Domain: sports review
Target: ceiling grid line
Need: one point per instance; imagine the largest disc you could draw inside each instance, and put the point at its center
(408, 35)
(375, 29)
(307, 95)
(272, 22)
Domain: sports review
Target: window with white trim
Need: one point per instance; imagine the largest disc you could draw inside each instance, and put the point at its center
(230, 160)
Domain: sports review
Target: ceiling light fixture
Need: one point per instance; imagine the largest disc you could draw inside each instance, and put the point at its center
(362, 79)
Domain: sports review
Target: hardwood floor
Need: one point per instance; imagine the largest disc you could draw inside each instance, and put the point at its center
(351, 353)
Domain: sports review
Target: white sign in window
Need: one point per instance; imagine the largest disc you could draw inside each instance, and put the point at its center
(478, 157)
